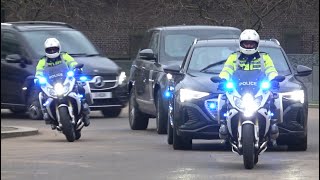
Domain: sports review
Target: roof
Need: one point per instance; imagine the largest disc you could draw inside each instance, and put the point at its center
(193, 27)
(230, 42)
(36, 25)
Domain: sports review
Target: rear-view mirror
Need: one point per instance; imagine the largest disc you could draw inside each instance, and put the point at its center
(303, 71)
(147, 54)
(215, 79)
(174, 68)
(13, 58)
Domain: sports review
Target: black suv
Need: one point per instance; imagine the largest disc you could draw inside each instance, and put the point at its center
(191, 116)
(162, 46)
(22, 47)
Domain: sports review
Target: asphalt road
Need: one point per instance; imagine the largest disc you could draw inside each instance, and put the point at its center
(108, 149)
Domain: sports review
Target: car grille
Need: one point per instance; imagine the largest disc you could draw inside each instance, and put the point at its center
(103, 82)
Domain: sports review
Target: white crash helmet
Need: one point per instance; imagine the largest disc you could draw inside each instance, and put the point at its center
(249, 36)
(52, 47)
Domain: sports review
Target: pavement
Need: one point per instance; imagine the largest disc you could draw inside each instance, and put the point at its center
(17, 131)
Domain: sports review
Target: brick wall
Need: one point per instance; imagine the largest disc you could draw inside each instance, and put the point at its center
(111, 24)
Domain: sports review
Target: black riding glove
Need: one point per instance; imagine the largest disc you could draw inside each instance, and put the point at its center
(274, 84)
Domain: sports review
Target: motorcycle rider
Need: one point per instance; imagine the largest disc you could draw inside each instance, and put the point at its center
(249, 58)
(55, 57)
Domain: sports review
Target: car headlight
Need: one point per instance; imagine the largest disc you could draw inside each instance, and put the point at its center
(187, 94)
(122, 77)
(294, 95)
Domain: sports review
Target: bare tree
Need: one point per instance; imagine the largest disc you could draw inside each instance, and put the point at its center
(246, 13)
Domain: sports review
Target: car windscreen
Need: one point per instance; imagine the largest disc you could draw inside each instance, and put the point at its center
(175, 44)
(211, 59)
(71, 41)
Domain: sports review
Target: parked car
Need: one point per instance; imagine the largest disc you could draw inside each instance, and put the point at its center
(191, 115)
(162, 46)
(22, 47)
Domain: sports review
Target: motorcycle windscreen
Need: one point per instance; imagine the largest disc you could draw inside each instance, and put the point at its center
(248, 81)
(56, 74)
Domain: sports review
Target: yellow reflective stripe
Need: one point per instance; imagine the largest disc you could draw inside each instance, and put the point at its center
(73, 63)
(229, 66)
(228, 69)
(39, 73)
(224, 75)
(269, 70)
(272, 75)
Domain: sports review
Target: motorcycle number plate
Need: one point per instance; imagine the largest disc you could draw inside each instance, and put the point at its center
(101, 95)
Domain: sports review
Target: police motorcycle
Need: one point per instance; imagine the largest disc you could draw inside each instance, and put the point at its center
(248, 113)
(60, 88)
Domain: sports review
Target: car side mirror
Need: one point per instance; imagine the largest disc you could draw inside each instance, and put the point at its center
(215, 79)
(303, 71)
(174, 69)
(147, 54)
(13, 58)
(279, 78)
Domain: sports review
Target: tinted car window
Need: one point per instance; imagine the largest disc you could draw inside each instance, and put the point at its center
(72, 42)
(204, 56)
(154, 42)
(175, 44)
(9, 44)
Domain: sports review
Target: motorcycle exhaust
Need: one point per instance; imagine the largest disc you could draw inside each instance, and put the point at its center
(263, 148)
(235, 149)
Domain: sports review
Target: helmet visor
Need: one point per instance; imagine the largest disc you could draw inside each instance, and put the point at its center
(52, 50)
(249, 44)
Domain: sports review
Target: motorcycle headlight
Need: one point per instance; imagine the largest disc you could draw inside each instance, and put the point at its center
(122, 77)
(294, 95)
(59, 89)
(51, 91)
(187, 94)
(247, 100)
(248, 104)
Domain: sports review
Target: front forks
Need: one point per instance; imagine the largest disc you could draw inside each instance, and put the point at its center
(256, 132)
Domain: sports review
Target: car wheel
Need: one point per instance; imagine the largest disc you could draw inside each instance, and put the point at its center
(162, 115)
(111, 112)
(18, 110)
(302, 146)
(169, 127)
(137, 119)
(181, 143)
(34, 110)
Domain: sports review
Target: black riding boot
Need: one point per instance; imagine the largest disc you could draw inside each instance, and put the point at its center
(85, 113)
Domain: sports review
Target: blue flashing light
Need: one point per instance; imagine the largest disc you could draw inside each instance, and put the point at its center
(80, 95)
(229, 85)
(167, 94)
(171, 88)
(212, 105)
(70, 73)
(42, 80)
(265, 85)
(83, 78)
(225, 114)
(271, 114)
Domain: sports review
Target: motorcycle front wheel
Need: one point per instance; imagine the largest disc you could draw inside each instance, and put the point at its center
(248, 145)
(67, 126)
